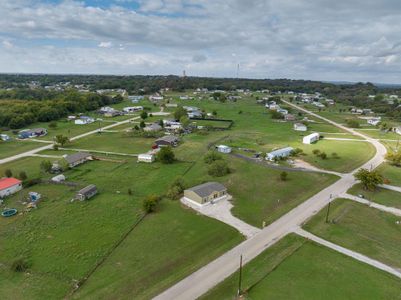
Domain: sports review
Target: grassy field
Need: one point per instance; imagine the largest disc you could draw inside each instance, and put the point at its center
(295, 268)
(390, 172)
(113, 142)
(64, 240)
(381, 196)
(360, 228)
(158, 253)
(378, 134)
(15, 147)
(351, 154)
(30, 165)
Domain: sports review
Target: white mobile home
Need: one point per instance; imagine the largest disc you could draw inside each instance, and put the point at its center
(311, 138)
(279, 153)
(300, 127)
(148, 158)
(224, 149)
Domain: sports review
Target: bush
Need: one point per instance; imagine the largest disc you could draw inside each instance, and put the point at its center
(175, 189)
(316, 152)
(352, 123)
(323, 155)
(218, 168)
(166, 155)
(212, 156)
(32, 182)
(19, 265)
(150, 203)
(22, 175)
(283, 176)
(8, 173)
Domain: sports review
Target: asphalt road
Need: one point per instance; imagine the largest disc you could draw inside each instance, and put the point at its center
(216, 271)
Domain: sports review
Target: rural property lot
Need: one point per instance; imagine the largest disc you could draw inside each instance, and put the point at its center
(296, 268)
(360, 228)
(380, 195)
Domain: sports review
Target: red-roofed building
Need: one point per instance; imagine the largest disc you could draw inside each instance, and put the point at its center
(9, 186)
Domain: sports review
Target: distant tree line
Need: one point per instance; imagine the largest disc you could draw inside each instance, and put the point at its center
(43, 106)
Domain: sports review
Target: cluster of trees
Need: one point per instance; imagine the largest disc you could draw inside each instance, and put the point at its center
(217, 165)
(46, 107)
(369, 179)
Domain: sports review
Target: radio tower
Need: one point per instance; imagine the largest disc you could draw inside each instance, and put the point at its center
(237, 71)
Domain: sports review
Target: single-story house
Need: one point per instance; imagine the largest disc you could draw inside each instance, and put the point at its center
(311, 138)
(282, 111)
(153, 127)
(30, 133)
(223, 149)
(113, 113)
(135, 98)
(206, 193)
(279, 153)
(168, 140)
(9, 186)
(77, 158)
(300, 127)
(146, 157)
(195, 114)
(374, 121)
(132, 109)
(83, 120)
(4, 137)
(289, 117)
(86, 193)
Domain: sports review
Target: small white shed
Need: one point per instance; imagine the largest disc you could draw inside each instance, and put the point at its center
(224, 149)
(148, 158)
(311, 138)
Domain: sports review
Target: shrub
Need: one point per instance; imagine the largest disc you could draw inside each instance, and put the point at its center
(166, 155)
(283, 176)
(316, 152)
(212, 156)
(8, 173)
(218, 168)
(19, 265)
(22, 175)
(323, 155)
(150, 203)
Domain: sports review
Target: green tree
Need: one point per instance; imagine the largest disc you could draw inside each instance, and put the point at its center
(142, 124)
(179, 113)
(22, 175)
(316, 152)
(212, 156)
(8, 173)
(394, 158)
(53, 124)
(61, 140)
(166, 155)
(218, 168)
(150, 203)
(352, 123)
(184, 121)
(46, 166)
(283, 176)
(276, 115)
(369, 179)
(323, 155)
(144, 115)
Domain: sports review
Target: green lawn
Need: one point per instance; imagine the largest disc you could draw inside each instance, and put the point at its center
(390, 172)
(62, 241)
(351, 155)
(114, 142)
(360, 228)
(378, 134)
(30, 165)
(167, 247)
(381, 196)
(15, 147)
(296, 268)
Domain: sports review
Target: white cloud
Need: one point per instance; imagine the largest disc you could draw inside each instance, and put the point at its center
(269, 38)
(7, 44)
(105, 45)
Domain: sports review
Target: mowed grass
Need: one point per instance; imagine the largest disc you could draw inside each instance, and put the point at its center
(360, 228)
(29, 165)
(165, 248)
(15, 147)
(378, 134)
(351, 155)
(390, 172)
(62, 241)
(381, 196)
(296, 268)
(113, 142)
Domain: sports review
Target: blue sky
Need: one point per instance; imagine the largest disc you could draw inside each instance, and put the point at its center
(321, 40)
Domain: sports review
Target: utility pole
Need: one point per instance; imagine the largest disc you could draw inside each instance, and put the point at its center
(240, 277)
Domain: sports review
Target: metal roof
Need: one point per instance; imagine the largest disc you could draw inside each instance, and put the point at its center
(76, 157)
(207, 188)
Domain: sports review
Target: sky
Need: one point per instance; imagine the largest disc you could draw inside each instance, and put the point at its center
(352, 40)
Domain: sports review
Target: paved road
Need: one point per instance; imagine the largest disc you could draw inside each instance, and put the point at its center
(355, 255)
(391, 210)
(216, 271)
(391, 187)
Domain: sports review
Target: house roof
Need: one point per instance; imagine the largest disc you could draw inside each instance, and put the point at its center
(154, 126)
(89, 189)
(281, 151)
(8, 182)
(207, 188)
(77, 157)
